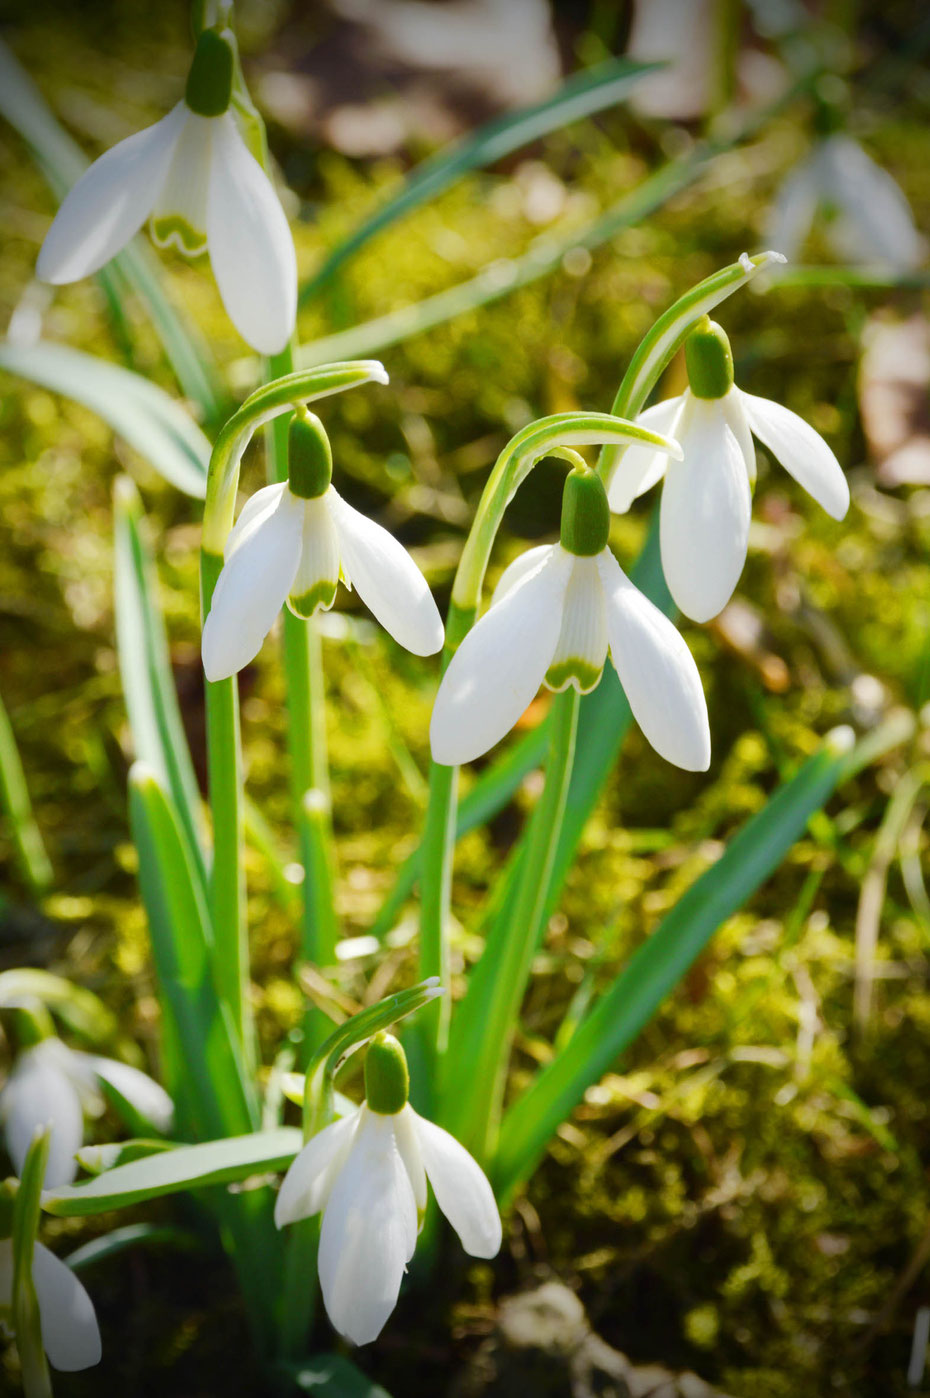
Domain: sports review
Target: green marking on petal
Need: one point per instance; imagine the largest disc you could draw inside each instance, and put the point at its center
(581, 673)
(173, 230)
(320, 597)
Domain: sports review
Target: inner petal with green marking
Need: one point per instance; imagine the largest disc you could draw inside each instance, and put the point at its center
(179, 218)
(317, 578)
(582, 645)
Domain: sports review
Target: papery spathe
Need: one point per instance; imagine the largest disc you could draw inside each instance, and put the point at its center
(367, 1173)
(287, 548)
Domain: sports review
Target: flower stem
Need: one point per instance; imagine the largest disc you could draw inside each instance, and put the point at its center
(435, 897)
(474, 1085)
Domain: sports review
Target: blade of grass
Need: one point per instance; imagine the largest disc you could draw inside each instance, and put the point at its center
(582, 95)
(14, 793)
(659, 964)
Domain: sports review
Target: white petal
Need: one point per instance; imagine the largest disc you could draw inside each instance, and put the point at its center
(582, 646)
(704, 522)
(519, 570)
(386, 578)
(734, 413)
(257, 507)
(110, 202)
(877, 226)
(802, 451)
(251, 589)
(639, 468)
(180, 212)
(498, 668)
(461, 1188)
(369, 1232)
(317, 574)
(142, 1093)
(307, 1184)
(251, 248)
(657, 671)
(407, 1143)
(38, 1094)
(70, 1335)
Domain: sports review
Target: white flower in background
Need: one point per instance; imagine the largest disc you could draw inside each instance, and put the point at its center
(867, 219)
(70, 1334)
(51, 1084)
(193, 176)
(367, 1174)
(293, 542)
(555, 614)
(706, 497)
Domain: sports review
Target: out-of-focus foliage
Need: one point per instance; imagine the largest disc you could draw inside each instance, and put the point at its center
(744, 1194)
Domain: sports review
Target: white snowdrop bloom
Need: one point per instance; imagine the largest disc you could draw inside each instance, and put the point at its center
(292, 543)
(706, 496)
(51, 1084)
(555, 614)
(867, 218)
(70, 1334)
(194, 177)
(367, 1174)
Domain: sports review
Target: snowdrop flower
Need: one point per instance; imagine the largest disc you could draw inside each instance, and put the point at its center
(367, 1174)
(51, 1084)
(293, 542)
(869, 219)
(555, 614)
(706, 498)
(193, 176)
(70, 1335)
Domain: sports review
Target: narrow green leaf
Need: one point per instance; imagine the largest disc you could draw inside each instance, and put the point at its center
(24, 1304)
(659, 964)
(62, 162)
(582, 95)
(145, 668)
(155, 425)
(14, 794)
(213, 1085)
(332, 1376)
(121, 1239)
(188, 1167)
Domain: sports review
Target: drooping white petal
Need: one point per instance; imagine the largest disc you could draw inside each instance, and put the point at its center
(802, 451)
(110, 202)
(582, 646)
(307, 1184)
(519, 570)
(734, 414)
(657, 671)
(70, 1335)
(386, 578)
(704, 520)
(180, 213)
(317, 575)
(876, 224)
(257, 507)
(409, 1146)
(461, 1188)
(146, 1096)
(369, 1232)
(499, 666)
(251, 248)
(39, 1093)
(639, 468)
(251, 589)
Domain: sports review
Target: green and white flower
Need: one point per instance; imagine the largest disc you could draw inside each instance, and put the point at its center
(556, 613)
(70, 1334)
(367, 1173)
(707, 496)
(292, 543)
(193, 176)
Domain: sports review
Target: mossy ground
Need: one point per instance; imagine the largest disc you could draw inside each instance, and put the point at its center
(744, 1193)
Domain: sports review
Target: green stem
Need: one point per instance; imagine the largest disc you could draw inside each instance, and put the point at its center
(474, 1086)
(435, 897)
(227, 877)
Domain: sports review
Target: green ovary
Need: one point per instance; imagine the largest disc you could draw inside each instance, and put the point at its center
(320, 598)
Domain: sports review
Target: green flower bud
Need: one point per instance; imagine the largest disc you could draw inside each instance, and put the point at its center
(210, 80)
(585, 513)
(387, 1081)
(309, 457)
(709, 360)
